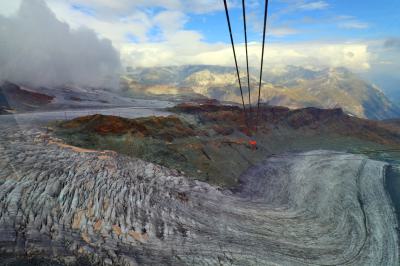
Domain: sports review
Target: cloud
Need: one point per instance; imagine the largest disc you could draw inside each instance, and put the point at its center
(119, 30)
(170, 21)
(37, 48)
(303, 5)
(156, 32)
(9, 7)
(354, 56)
(385, 66)
(139, 25)
(122, 7)
(282, 31)
(353, 24)
(317, 5)
(392, 43)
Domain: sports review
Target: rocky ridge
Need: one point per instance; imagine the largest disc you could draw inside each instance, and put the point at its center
(197, 137)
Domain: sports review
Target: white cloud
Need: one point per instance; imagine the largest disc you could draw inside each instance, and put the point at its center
(282, 31)
(125, 6)
(303, 5)
(136, 24)
(125, 20)
(37, 48)
(7, 7)
(170, 21)
(353, 24)
(317, 5)
(122, 30)
(352, 55)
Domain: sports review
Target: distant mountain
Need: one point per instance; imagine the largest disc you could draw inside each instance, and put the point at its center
(172, 75)
(333, 87)
(294, 87)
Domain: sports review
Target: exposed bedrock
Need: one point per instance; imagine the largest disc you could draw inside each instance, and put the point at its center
(315, 208)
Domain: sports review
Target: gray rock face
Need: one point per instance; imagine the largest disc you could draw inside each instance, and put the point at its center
(319, 207)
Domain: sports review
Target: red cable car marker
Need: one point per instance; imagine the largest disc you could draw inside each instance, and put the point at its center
(253, 144)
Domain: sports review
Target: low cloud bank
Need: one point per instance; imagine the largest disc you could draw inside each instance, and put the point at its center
(38, 49)
(354, 56)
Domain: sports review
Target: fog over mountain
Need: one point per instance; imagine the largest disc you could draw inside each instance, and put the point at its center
(38, 49)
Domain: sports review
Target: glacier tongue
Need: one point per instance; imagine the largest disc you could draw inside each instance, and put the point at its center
(319, 207)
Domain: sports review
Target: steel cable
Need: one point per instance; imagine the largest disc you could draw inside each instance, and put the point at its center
(262, 61)
(234, 55)
(247, 54)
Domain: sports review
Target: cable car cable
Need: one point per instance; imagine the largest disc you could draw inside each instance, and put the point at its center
(234, 55)
(247, 54)
(262, 61)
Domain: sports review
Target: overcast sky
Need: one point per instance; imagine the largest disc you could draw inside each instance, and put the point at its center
(363, 35)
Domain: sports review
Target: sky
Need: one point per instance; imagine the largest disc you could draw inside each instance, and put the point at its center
(362, 35)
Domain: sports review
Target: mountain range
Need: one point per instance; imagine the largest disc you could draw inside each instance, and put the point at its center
(292, 86)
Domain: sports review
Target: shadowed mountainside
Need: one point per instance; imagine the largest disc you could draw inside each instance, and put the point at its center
(13, 97)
